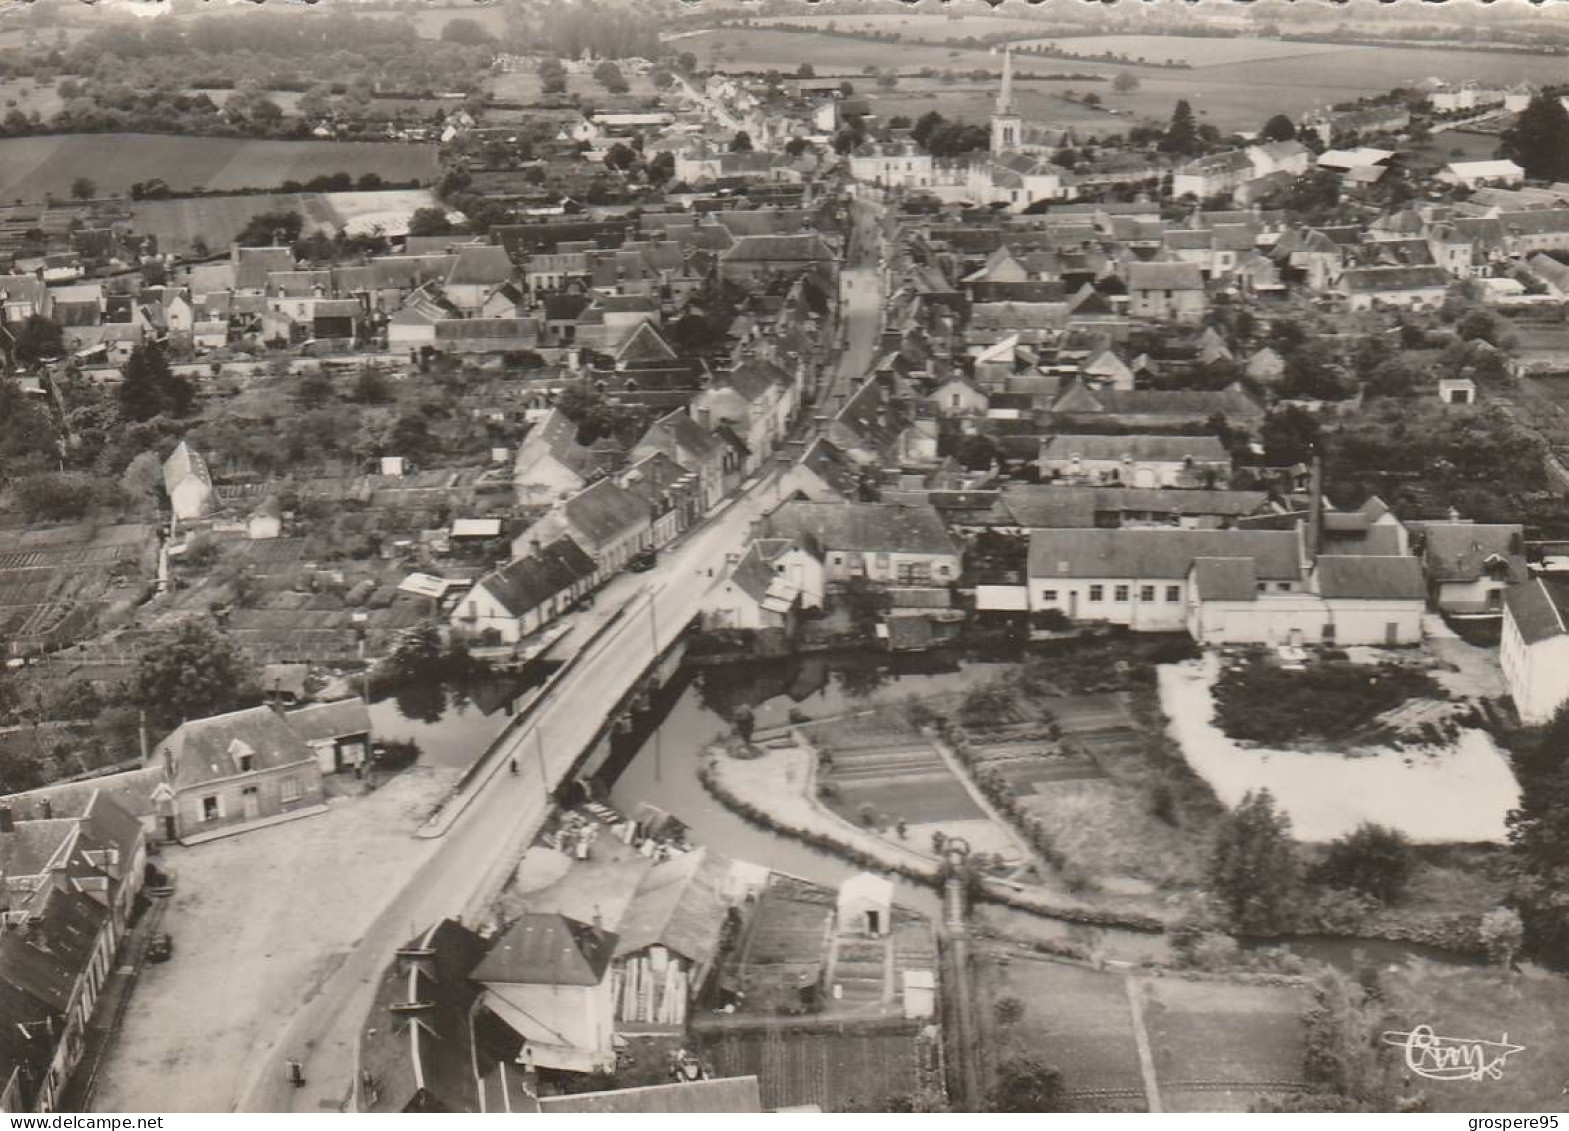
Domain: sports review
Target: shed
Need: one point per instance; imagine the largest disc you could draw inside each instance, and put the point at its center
(866, 904)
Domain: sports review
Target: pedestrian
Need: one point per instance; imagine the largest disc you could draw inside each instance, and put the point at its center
(514, 765)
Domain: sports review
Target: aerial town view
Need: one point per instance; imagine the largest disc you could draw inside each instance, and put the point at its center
(645, 557)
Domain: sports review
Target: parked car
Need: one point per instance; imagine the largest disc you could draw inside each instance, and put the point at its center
(643, 562)
(160, 948)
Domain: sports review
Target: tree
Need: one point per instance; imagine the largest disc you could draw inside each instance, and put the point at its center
(1025, 1084)
(552, 76)
(1539, 139)
(313, 391)
(1539, 840)
(1125, 83)
(1182, 135)
(1009, 1011)
(370, 387)
(609, 76)
(846, 88)
(741, 143)
(687, 62)
(470, 33)
(1500, 932)
(197, 673)
(83, 188)
(267, 229)
(150, 388)
(1254, 869)
(38, 339)
(430, 222)
(806, 71)
(796, 146)
(1279, 128)
(1373, 860)
(142, 479)
(1346, 1055)
(620, 157)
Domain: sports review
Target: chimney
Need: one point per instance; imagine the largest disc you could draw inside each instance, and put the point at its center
(1315, 507)
(7, 821)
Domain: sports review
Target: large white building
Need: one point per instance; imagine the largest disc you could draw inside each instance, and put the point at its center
(1534, 648)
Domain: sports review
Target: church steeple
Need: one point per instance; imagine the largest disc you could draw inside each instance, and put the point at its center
(1007, 127)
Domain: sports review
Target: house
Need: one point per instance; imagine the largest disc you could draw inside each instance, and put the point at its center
(757, 399)
(551, 464)
(668, 938)
(892, 164)
(1354, 600)
(1168, 291)
(1534, 648)
(692, 446)
(526, 594)
(547, 977)
(69, 882)
(266, 521)
(613, 525)
(888, 543)
(240, 770)
(1474, 174)
(755, 259)
(1134, 461)
(1153, 408)
(187, 482)
(476, 273)
(338, 731)
(1470, 565)
(958, 397)
(1052, 506)
(1215, 175)
(1265, 366)
(773, 581)
(823, 473)
(1415, 288)
(670, 491)
(1143, 577)
(1370, 529)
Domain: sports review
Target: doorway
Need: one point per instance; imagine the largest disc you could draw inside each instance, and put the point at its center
(250, 802)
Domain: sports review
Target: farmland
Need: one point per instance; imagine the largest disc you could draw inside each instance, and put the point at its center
(218, 220)
(54, 581)
(33, 168)
(922, 28)
(1235, 83)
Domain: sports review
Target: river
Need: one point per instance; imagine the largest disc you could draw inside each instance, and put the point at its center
(655, 763)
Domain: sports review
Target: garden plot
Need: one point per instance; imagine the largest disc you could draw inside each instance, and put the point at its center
(834, 1067)
(1075, 1019)
(871, 761)
(1459, 793)
(1218, 1046)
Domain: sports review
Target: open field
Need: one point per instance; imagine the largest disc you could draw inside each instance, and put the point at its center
(1238, 94)
(32, 168)
(30, 97)
(1215, 1044)
(1459, 1001)
(921, 28)
(526, 87)
(1196, 51)
(217, 220)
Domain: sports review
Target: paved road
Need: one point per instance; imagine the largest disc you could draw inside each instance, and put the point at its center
(472, 860)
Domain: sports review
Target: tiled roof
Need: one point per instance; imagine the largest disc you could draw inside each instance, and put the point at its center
(603, 512)
(864, 527)
(1538, 609)
(731, 1095)
(528, 582)
(205, 750)
(547, 950)
(1461, 551)
(1165, 277)
(1153, 552)
(1381, 279)
(1371, 577)
(1225, 579)
(680, 906)
(341, 718)
(805, 248)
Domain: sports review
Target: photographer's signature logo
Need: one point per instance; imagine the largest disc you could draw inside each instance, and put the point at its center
(1452, 1058)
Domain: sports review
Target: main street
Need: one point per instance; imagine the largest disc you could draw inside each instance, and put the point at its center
(502, 812)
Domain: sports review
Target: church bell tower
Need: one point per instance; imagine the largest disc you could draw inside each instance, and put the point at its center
(1007, 127)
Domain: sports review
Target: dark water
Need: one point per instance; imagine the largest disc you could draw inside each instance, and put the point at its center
(656, 762)
(452, 720)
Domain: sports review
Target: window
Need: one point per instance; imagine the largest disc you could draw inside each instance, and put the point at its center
(247, 763)
(1146, 592)
(942, 571)
(1097, 592)
(1262, 586)
(211, 809)
(1283, 586)
(1049, 595)
(1120, 594)
(1173, 594)
(289, 789)
(1329, 633)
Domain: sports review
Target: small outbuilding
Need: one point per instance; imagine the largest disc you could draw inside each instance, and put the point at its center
(865, 905)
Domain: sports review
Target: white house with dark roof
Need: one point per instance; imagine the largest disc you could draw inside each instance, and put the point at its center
(1416, 288)
(1171, 291)
(526, 594)
(882, 542)
(773, 581)
(755, 398)
(1143, 577)
(187, 482)
(338, 731)
(1470, 565)
(1357, 599)
(1134, 461)
(613, 525)
(1534, 648)
(547, 977)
